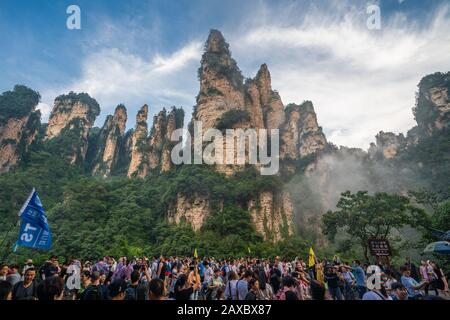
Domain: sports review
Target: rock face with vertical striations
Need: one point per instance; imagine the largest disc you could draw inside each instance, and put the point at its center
(192, 210)
(153, 152)
(270, 101)
(19, 125)
(272, 215)
(301, 135)
(137, 145)
(221, 83)
(72, 117)
(110, 140)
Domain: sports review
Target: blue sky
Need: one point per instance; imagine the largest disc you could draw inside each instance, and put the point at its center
(135, 52)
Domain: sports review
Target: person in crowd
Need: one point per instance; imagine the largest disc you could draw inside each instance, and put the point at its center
(93, 290)
(390, 280)
(413, 269)
(289, 289)
(156, 289)
(411, 284)
(52, 288)
(201, 268)
(26, 289)
(230, 288)
(378, 293)
(318, 291)
(85, 279)
(440, 281)
(333, 279)
(242, 285)
(162, 268)
(275, 278)
(136, 290)
(116, 290)
(104, 284)
(49, 268)
(173, 279)
(398, 291)
(5, 290)
(215, 283)
(4, 270)
(183, 289)
(360, 277)
(319, 271)
(265, 291)
(14, 276)
(28, 264)
(194, 280)
(252, 294)
(349, 282)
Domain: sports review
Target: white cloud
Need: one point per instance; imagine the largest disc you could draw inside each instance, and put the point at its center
(44, 108)
(113, 76)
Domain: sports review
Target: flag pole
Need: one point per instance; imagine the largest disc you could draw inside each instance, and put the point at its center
(27, 201)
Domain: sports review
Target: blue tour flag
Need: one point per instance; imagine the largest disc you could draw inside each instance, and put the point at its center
(34, 230)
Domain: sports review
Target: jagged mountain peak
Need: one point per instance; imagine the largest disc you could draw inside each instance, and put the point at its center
(216, 43)
(263, 73)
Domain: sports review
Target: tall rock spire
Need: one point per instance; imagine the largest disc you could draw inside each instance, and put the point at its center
(221, 82)
(19, 125)
(72, 117)
(138, 165)
(109, 142)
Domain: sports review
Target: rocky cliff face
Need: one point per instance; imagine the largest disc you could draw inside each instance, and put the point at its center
(19, 125)
(72, 117)
(153, 152)
(111, 137)
(433, 103)
(270, 101)
(221, 83)
(192, 210)
(387, 145)
(272, 214)
(137, 145)
(301, 134)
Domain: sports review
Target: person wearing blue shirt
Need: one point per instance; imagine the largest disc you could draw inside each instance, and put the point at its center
(201, 269)
(242, 285)
(360, 277)
(411, 285)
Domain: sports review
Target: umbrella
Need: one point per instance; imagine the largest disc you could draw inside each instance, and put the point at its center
(442, 247)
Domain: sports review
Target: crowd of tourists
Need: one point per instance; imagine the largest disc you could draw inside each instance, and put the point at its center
(188, 278)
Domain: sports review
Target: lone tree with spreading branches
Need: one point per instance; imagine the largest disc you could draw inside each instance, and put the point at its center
(362, 217)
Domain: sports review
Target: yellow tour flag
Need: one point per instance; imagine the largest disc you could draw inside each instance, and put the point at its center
(311, 260)
(249, 251)
(195, 253)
